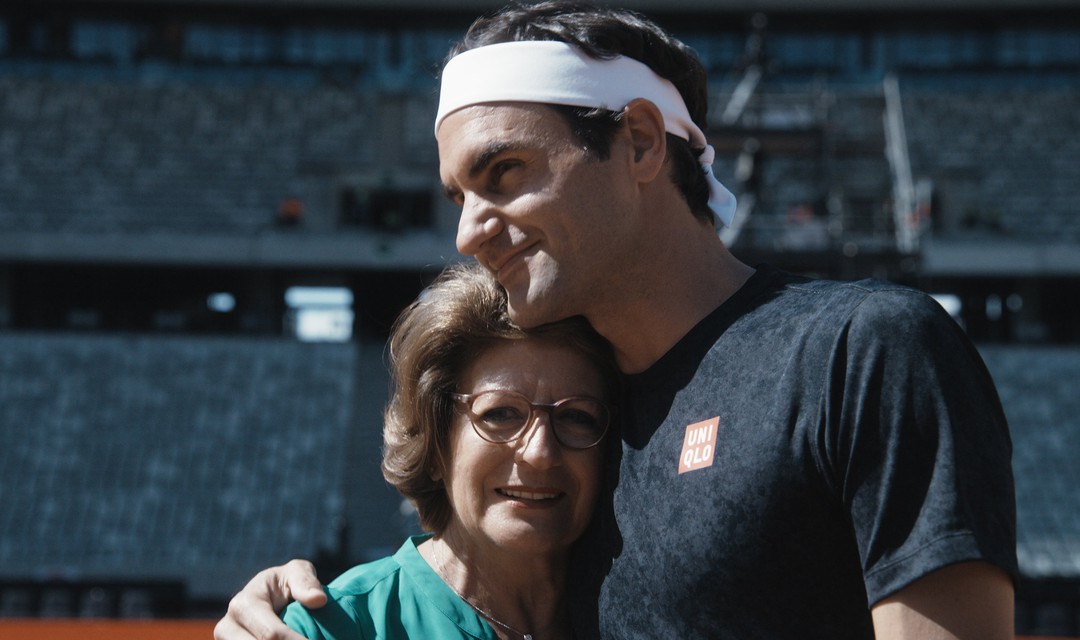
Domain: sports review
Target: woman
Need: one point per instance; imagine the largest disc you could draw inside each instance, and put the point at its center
(491, 432)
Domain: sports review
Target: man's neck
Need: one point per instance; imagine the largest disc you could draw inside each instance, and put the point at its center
(663, 303)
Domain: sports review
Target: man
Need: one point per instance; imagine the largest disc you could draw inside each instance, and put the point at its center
(799, 458)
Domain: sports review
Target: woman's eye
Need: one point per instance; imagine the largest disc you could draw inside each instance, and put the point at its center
(576, 417)
(502, 415)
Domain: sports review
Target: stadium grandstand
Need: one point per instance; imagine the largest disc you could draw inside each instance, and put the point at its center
(211, 211)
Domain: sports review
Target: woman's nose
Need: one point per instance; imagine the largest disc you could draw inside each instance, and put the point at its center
(539, 446)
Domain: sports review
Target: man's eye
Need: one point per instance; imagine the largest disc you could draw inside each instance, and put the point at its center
(455, 196)
(500, 169)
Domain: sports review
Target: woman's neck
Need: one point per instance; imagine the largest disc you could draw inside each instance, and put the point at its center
(519, 595)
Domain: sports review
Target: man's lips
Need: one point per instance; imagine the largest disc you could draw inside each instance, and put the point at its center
(509, 259)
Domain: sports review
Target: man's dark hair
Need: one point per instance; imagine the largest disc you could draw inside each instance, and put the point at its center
(605, 33)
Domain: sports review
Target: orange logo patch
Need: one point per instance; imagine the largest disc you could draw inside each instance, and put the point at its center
(699, 444)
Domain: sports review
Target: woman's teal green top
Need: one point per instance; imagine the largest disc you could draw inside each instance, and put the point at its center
(393, 598)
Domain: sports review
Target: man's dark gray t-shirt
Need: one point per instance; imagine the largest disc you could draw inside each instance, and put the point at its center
(808, 449)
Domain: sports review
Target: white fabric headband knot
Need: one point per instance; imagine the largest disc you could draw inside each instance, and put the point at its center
(559, 73)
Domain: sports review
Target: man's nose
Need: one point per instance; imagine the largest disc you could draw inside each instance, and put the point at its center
(478, 224)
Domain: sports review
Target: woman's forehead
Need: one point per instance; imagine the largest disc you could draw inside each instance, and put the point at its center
(530, 362)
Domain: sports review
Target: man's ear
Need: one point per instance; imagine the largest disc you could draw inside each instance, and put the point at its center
(648, 138)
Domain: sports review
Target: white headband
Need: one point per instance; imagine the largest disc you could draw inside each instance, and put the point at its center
(559, 73)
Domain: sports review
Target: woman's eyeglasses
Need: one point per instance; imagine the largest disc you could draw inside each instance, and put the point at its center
(504, 416)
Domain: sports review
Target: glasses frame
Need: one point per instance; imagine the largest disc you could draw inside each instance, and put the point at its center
(467, 400)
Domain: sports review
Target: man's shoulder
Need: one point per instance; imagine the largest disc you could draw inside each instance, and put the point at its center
(871, 311)
(866, 287)
(867, 298)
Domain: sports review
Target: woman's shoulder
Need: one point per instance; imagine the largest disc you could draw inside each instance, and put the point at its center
(355, 600)
(364, 578)
(395, 598)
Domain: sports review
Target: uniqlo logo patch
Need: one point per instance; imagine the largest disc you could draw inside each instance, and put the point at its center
(699, 444)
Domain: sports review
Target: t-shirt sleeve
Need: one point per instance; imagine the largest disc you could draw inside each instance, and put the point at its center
(918, 443)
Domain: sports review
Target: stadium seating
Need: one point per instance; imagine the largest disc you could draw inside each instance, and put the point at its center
(115, 153)
(1037, 388)
(185, 458)
(1002, 160)
(119, 155)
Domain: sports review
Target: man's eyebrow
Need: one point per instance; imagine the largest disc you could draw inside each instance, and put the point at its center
(479, 164)
(484, 158)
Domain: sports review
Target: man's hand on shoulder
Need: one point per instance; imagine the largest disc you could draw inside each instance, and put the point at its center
(254, 612)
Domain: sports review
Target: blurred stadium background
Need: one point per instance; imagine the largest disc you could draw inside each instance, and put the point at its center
(210, 212)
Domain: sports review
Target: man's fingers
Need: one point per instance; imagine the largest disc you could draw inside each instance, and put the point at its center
(254, 612)
(297, 581)
(227, 629)
(252, 618)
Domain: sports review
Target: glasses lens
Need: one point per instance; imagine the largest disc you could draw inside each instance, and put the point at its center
(500, 414)
(580, 422)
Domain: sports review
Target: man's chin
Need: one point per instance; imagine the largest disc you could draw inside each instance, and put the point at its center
(531, 315)
(521, 318)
